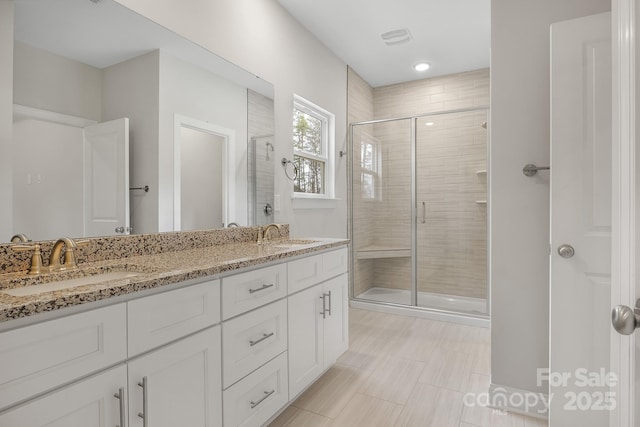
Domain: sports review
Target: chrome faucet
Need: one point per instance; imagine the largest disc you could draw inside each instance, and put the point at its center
(263, 233)
(70, 261)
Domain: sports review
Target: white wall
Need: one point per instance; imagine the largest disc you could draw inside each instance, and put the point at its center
(198, 94)
(48, 196)
(260, 36)
(520, 205)
(50, 82)
(6, 122)
(131, 89)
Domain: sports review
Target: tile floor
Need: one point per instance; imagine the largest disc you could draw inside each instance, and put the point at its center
(403, 372)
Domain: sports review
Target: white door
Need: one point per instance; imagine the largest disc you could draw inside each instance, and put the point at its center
(179, 384)
(106, 178)
(336, 331)
(306, 343)
(625, 349)
(580, 222)
(88, 403)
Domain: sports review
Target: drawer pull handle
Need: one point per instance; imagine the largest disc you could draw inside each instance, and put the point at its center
(120, 396)
(329, 309)
(262, 288)
(144, 414)
(258, 341)
(266, 394)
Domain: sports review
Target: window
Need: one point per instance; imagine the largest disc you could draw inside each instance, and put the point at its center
(369, 169)
(313, 130)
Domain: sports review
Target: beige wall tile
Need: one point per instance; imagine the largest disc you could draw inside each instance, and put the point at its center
(452, 245)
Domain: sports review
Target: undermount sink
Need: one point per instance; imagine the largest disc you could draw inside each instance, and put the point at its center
(69, 283)
(288, 243)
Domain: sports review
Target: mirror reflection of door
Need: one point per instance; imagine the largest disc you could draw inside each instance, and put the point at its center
(201, 179)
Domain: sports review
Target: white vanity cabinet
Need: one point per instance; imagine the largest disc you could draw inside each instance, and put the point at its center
(254, 342)
(88, 403)
(318, 318)
(180, 371)
(231, 351)
(41, 357)
(178, 384)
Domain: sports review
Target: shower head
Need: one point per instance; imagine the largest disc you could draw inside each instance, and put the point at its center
(269, 146)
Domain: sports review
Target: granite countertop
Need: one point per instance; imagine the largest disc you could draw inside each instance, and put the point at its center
(153, 271)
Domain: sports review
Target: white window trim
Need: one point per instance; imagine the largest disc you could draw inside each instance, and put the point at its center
(329, 130)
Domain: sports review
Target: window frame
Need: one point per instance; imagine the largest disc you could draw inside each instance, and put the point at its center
(328, 147)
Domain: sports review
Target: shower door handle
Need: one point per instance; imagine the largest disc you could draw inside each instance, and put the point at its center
(424, 213)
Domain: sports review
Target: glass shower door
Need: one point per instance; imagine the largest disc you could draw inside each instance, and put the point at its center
(451, 198)
(381, 201)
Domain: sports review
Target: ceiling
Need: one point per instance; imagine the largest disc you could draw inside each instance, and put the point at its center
(451, 35)
(84, 31)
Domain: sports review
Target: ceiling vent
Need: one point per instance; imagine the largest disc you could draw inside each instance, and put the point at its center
(392, 38)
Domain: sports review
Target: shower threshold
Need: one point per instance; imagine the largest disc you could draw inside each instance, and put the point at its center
(475, 306)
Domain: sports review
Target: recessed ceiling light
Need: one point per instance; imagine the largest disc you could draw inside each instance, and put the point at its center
(421, 66)
(429, 124)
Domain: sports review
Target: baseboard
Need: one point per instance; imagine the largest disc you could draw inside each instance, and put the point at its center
(519, 401)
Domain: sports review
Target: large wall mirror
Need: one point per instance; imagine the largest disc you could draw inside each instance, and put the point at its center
(105, 103)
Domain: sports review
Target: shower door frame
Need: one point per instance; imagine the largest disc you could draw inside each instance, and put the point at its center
(414, 213)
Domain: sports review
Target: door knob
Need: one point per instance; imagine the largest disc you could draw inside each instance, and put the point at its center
(625, 319)
(566, 251)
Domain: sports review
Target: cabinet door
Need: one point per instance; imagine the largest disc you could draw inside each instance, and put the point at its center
(88, 403)
(336, 323)
(305, 339)
(183, 384)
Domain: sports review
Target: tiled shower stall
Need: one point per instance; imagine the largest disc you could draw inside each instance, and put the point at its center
(419, 192)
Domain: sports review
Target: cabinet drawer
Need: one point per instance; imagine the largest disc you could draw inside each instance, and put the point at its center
(305, 272)
(335, 263)
(40, 357)
(252, 339)
(158, 319)
(246, 291)
(256, 398)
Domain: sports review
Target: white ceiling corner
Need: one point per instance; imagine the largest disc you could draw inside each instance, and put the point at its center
(451, 35)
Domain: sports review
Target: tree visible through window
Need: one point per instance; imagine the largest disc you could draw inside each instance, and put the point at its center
(310, 148)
